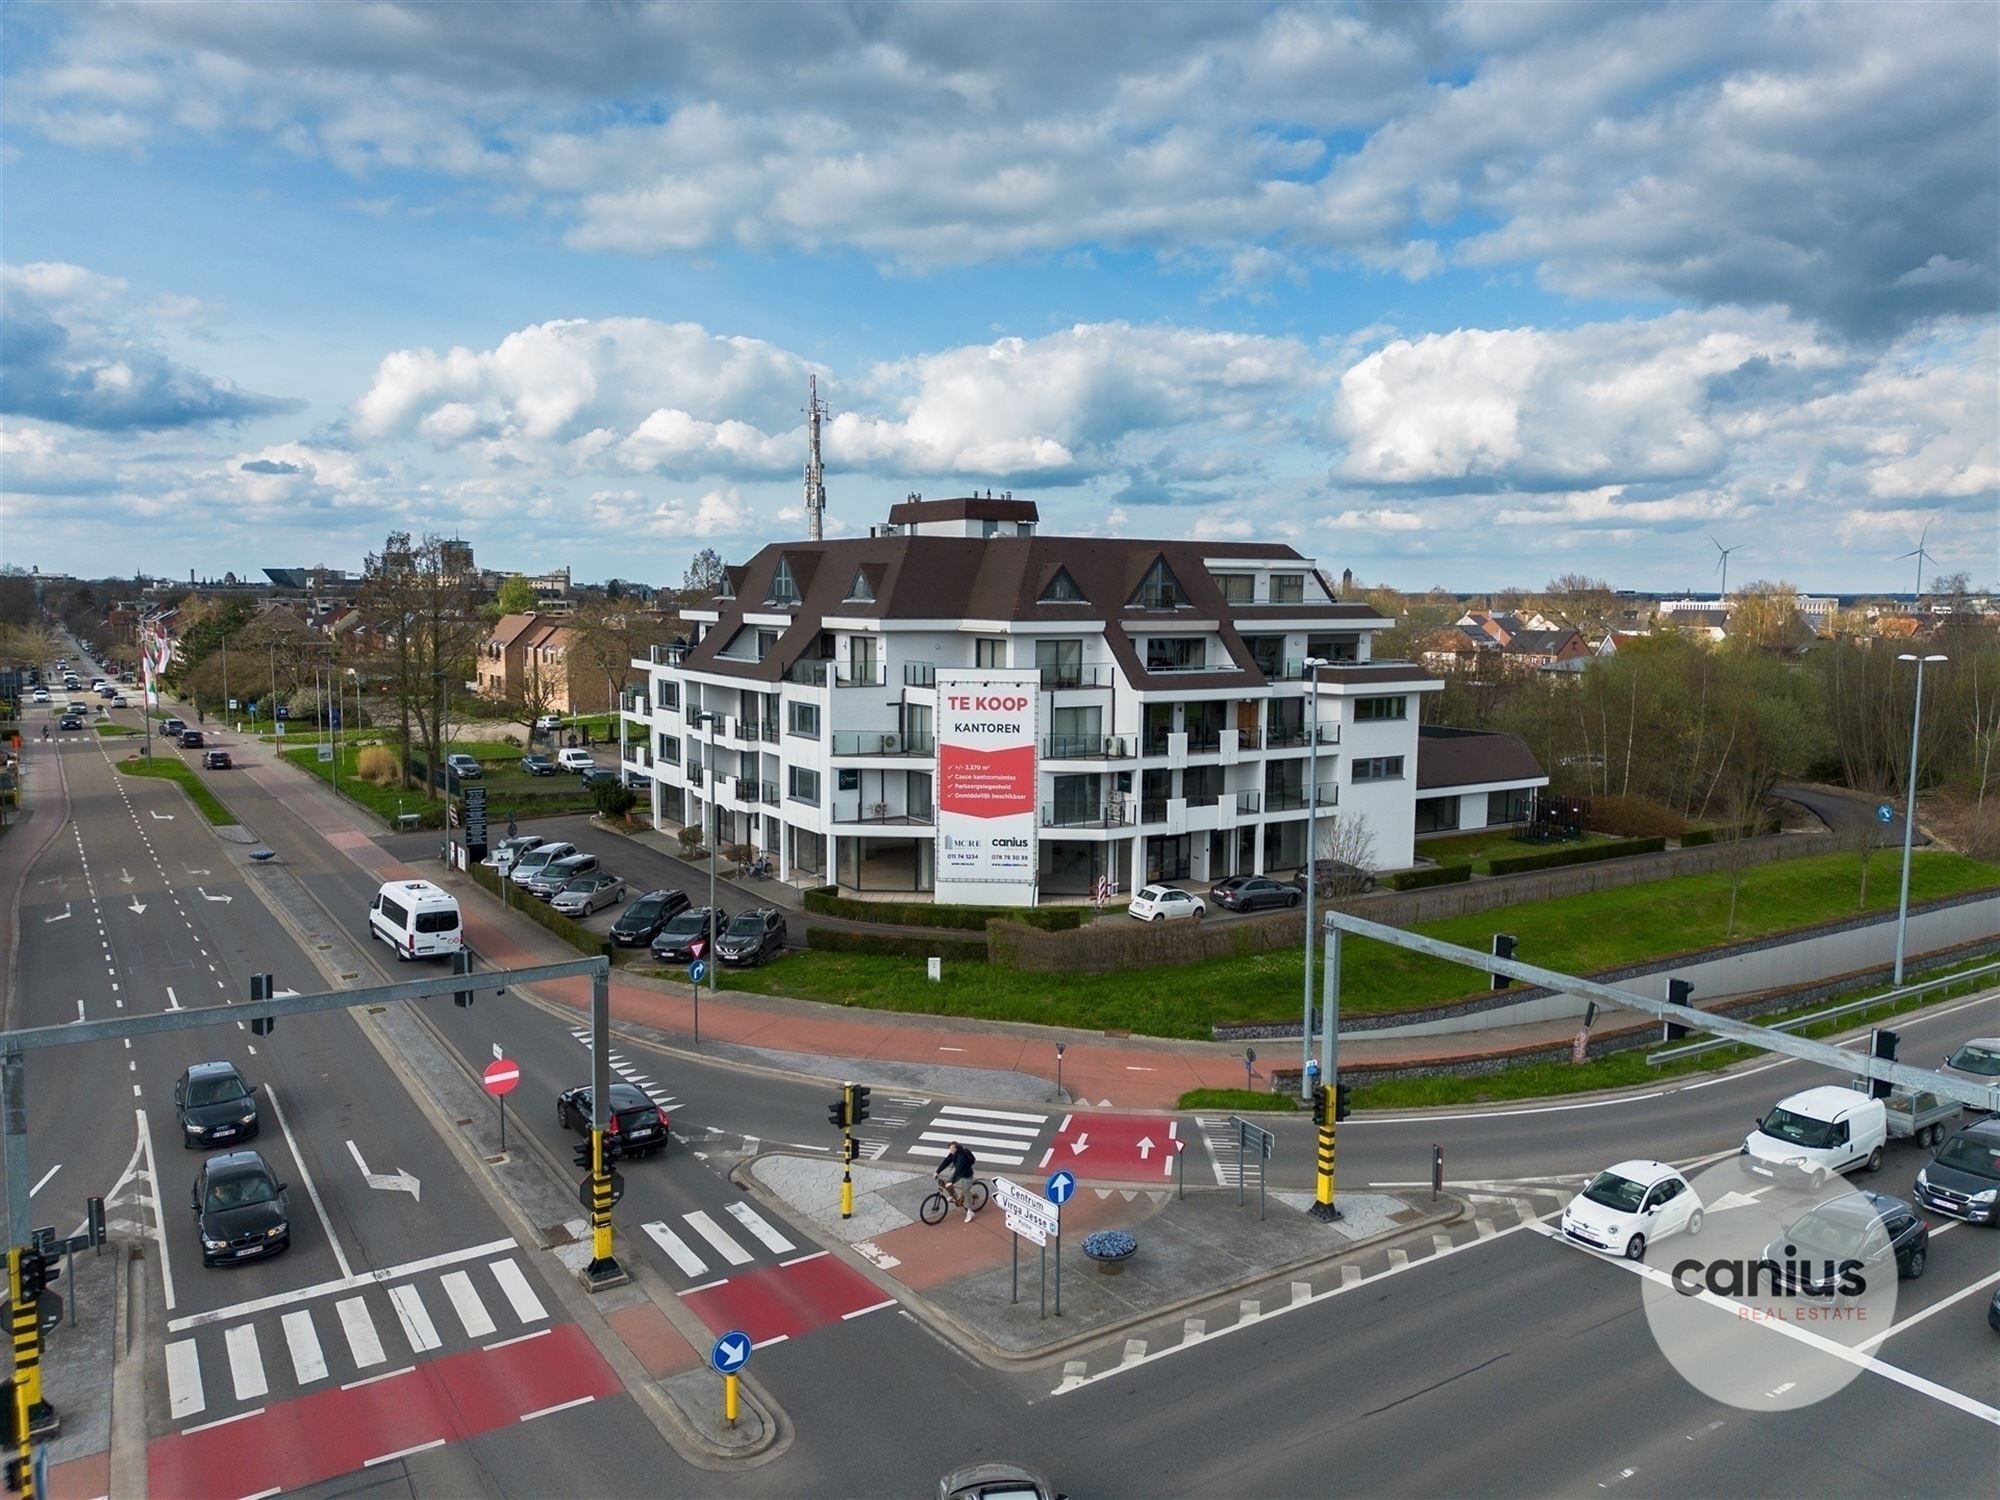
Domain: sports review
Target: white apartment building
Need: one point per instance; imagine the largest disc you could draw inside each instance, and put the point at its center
(1179, 730)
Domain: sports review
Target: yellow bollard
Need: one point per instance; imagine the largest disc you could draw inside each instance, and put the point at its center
(729, 1399)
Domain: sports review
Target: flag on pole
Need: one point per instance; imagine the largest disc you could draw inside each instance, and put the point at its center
(155, 653)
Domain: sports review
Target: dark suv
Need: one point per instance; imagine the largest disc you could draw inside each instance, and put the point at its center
(639, 1127)
(753, 937)
(1963, 1179)
(641, 922)
(1874, 1229)
(675, 942)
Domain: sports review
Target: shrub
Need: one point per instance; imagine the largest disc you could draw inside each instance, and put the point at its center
(575, 934)
(376, 763)
(738, 854)
(958, 949)
(1584, 854)
(1634, 818)
(1108, 947)
(1414, 880)
(828, 902)
(614, 801)
(690, 838)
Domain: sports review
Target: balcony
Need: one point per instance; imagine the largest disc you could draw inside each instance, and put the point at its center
(1087, 747)
(1329, 734)
(1166, 666)
(1055, 678)
(920, 674)
(864, 674)
(1285, 799)
(765, 792)
(809, 673)
(1204, 741)
(881, 814)
(1103, 815)
(696, 775)
(1154, 744)
(882, 742)
(665, 656)
(1286, 737)
(1249, 804)
(636, 706)
(1153, 810)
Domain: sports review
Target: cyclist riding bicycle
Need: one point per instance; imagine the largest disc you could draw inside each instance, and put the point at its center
(959, 1163)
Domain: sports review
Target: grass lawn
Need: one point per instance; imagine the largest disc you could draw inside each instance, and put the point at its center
(1476, 849)
(110, 729)
(1625, 1069)
(1238, 1101)
(508, 788)
(1577, 934)
(169, 767)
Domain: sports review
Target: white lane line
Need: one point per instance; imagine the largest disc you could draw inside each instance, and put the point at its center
(52, 1172)
(308, 1363)
(1869, 1346)
(766, 1343)
(415, 1318)
(353, 1385)
(799, 1260)
(755, 1222)
(159, 1230)
(185, 1396)
(360, 1330)
(241, 1416)
(344, 1284)
(246, 1362)
(988, 1128)
(527, 1306)
(305, 1176)
(543, 1411)
(676, 1248)
(519, 1338)
(864, 1311)
(465, 1302)
(962, 1111)
(714, 1233)
(389, 1458)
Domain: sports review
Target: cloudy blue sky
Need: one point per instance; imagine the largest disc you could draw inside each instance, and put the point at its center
(1467, 295)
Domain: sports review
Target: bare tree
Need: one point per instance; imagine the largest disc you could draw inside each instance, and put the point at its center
(609, 634)
(1860, 841)
(429, 612)
(1345, 862)
(704, 575)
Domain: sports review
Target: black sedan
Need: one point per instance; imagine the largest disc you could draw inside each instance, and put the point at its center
(753, 937)
(639, 1127)
(641, 922)
(1252, 892)
(216, 1106)
(239, 1209)
(70, 721)
(1851, 1235)
(687, 936)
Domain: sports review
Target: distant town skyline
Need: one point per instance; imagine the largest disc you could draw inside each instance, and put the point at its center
(1434, 293)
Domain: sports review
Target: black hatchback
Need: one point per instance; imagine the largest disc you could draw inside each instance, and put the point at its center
(641, 922)
(639, 1127)
(1250, 892)
(240, 1209)
(679, 940)
(1872, 1228)
(753, 937)
(216, 1106)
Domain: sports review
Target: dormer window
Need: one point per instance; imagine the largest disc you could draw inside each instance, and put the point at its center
(860, 590)
(1062, 589)
(783, 590)
(726, 589)
(1160, 589)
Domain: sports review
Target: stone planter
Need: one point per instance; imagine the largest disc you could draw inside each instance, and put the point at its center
(1110, 1248)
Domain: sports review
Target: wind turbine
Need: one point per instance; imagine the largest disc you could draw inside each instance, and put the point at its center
(1723, 565)
(1922, 557)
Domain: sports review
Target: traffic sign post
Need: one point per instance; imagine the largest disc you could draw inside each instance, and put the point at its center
(728, 1358)
(1038, 1219)
(502, 1077)
(698, 969)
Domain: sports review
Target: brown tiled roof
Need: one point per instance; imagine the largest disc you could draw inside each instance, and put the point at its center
(1467, 757)
(999, 578)
(966, 508)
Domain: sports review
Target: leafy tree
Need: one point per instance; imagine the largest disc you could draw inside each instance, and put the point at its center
(704, 575)
(516, 596)
(430, 618)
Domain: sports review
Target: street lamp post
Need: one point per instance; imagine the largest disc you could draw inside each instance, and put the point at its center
(1910, 810)
(1313, 664)
(702, 719)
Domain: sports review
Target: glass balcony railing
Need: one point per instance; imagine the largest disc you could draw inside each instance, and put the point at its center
(882, 742)
(809, 673)
(665, 656)
(1284, 799)
(1285, 737)
(1055, 677)
(863, 674)
(1088, 815)
(1087, 747)
(1204, 741)
(919, 674)
(1153, 810)
(1248, 803)
(881, 813)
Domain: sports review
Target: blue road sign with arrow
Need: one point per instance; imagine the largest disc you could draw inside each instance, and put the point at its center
(1885, 813)
(697, 971)
(1061, 1186)
(731, 1353)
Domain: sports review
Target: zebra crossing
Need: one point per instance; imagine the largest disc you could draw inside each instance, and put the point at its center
(998, 1137)
(622, 1066)
(223, 1365)
(1219, 1136)
(720, 1251)
(890, 1113)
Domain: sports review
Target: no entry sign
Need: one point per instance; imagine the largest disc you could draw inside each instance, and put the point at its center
(502, 1076)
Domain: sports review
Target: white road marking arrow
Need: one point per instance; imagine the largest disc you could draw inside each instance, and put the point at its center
(206, 897)
(124, 874)
(61, 916)
(163, 817)
(137, 907)
(1734, 1199)
(1081, 1143)
(193, 871)
(172, 1002)
(1145, 1147)
(401, 1182)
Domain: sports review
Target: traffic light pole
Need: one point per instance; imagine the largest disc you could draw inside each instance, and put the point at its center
(27, 1382)
(1327, 1108)
(603, 1270)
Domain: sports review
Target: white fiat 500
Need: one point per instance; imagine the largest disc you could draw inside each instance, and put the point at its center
(1161, 903)
(1625, 1208)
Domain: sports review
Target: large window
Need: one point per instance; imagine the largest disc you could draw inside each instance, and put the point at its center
(1076, 731)
(670, 749)
(1288, 588)
(1160, 589)
(1366, 709)
(1201, 785)
(1437, 814)
(1511, 806)
(989, 651)
(1237, 588)
(803, 719)
(783, 590)
(1176, 653)
(1379, 768)
(803, 786)
(1061, 663)
(1062, 589)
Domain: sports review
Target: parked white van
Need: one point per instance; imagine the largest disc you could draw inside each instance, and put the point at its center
(1811, 1136)
(416, 918)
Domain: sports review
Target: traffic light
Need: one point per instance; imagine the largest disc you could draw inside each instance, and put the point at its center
(34, 1274)
(1882, 1043)
(1679, 992)
(858, 1092)
(1319, 1104)
(17, 1476)
(10, 1431)
(583, 1154)
(836, 1112)
(461, 963)
(1341, 1108)
(262, 987)
(1503, 947)
(850, 1149)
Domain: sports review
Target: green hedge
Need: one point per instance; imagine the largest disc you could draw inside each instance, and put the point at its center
(1585, 854)
(575, 934)
(1696, 837)
(1412, 880)
(958, 949)
(827, 901)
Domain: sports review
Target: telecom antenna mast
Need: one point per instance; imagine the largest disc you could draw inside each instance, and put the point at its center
(815, 471)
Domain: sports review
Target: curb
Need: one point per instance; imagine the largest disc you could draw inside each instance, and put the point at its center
(128, 1373)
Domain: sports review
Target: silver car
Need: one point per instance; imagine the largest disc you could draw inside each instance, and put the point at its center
(558, 873)
(1976, 1061)
(506, 851)
(534, 861)
(585, 894)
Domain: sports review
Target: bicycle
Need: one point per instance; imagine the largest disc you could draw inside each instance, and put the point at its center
(939, 1204)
